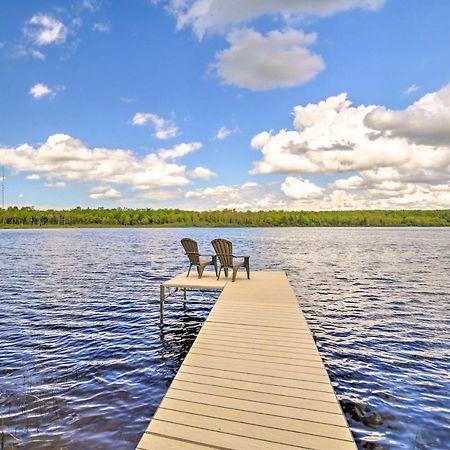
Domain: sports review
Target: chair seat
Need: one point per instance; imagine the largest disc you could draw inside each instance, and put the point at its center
(206, 260)
(239, 264)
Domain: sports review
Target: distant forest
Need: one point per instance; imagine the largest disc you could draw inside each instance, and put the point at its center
(14, 217)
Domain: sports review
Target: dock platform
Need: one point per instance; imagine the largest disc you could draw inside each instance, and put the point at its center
(253, 379)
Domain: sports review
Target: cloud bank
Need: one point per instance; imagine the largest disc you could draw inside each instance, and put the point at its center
(391, 159)
(63, 158)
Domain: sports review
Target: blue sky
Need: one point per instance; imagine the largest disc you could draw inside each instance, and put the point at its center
(202, 104)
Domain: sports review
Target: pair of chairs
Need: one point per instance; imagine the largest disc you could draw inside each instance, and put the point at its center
(224, 253)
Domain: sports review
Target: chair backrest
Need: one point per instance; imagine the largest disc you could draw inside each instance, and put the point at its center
(224, 251)
(191, 248)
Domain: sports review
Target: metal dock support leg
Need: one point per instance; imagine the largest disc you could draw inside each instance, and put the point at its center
(184, 300)
(162, 293)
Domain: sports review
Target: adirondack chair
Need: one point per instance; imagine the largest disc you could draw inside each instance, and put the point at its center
(191, 248)
(224, 251)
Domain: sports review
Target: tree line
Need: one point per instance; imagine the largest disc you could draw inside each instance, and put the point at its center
(13, 217)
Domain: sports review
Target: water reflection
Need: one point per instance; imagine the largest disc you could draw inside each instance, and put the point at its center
(84, 362)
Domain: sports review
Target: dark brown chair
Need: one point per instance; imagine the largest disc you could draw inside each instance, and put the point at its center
(224, 251)
(191, 248)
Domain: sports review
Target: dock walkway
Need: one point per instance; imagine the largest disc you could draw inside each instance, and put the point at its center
(253, 379)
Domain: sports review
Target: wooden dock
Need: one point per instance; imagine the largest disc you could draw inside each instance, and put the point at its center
(253, 379)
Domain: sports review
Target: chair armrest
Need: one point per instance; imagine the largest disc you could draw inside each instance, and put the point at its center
(240, 256)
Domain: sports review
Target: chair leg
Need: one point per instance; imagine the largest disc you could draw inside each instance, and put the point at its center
(235, 270)
(247, 268)
(220, 270)
(200, 270)
(225, 269)
(189, 271)
(215, 266)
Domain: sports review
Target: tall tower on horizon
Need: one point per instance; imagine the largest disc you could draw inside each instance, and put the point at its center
(3, 187)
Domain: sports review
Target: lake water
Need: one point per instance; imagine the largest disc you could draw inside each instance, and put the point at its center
(84, 364)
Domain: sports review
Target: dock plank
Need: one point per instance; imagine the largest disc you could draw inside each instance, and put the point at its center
(275, 370)
(239, 404)
(258, 378)
(253, 378)
(229, 354)
(307, 402)
(303, 347)
(206, 437)
(255, 350)
(262, 433)
(260, 418)
(301, 391)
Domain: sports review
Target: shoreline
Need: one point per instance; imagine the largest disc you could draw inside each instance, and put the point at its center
(28, 217)
(93, 226)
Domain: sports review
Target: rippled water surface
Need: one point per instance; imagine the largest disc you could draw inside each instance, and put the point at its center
(84, 363)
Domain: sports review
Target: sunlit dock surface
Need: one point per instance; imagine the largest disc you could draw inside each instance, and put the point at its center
(253, 379)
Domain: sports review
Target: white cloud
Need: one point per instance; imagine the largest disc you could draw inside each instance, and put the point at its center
(239, 196)
(56, 185)
(270, 201)
(233, 193)
(387, 187)
(101, 27)
(353, 182)
(224, 132)
(240, 206)
(218, 15)
(37, 54)
(426, 121)
(164, 128)
(259, 62)
(388, 162)
(22, 51)
(358, 193)
(180, 150)
(411, 89)
(255, 61)
(33, 176)
(161, 195)
(332, 136)
(64, 158)
(44, 30)
(261, 139)
(90, 5)
(104, 193)
(41, 90)
(298, 188)
(202, 173)
(127, 99)
(77, 22)
(391, 196)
